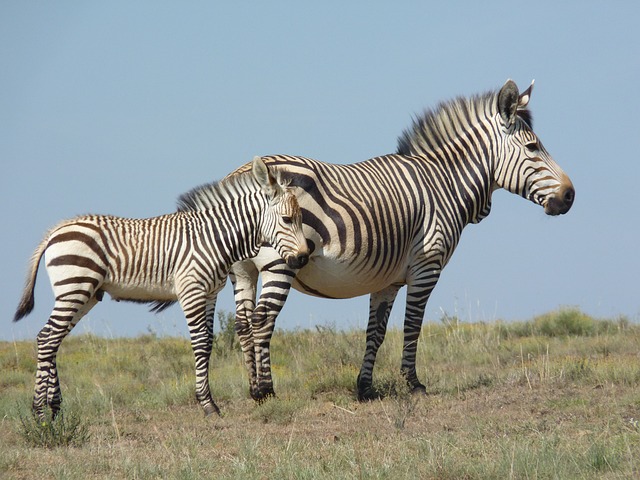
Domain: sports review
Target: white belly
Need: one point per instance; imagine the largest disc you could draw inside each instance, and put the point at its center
(142, 292)
(327, 277)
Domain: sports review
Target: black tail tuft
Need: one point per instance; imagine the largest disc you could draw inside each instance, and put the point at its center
(25, 308)
(157, 307)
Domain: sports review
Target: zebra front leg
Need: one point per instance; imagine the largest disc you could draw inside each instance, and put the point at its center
(416, 302)
(65, 315)
(244, 277)
(380, 304)
(198, 310)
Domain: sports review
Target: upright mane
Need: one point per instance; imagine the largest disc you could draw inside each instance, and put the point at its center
(436, 127)
(209, 195)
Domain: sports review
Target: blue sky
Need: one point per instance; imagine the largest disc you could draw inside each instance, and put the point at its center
(118, 107)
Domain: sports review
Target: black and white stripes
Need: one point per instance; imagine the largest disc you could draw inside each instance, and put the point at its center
(396, 220)
(184, 256)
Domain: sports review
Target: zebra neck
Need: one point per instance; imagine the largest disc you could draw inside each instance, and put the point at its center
(465, 184)
(235, 225)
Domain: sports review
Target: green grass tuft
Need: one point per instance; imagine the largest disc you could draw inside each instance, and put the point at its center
(68, 429)
(279, 411)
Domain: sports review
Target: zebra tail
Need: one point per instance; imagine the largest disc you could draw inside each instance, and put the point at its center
(27, 301)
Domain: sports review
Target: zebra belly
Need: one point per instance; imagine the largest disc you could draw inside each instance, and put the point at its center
(324, 277)
(160, 292)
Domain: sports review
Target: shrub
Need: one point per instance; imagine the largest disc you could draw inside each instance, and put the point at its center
(279, 411)
(565, 322)
(226, 340)
(395, 387)
(67, 429)
(561, 323)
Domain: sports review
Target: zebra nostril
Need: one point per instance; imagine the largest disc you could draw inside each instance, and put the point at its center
(568, 196)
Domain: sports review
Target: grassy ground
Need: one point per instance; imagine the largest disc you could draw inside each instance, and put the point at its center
(554, 397)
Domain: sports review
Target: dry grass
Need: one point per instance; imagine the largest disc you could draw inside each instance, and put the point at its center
(506, 401)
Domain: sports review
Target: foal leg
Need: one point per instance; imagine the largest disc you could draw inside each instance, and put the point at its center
(198, 309)
(66, 313)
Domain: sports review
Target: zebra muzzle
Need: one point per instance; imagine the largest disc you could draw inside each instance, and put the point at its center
(298, 261)
(561, 202)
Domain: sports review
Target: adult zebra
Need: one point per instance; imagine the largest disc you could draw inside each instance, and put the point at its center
(183, 256)
(395, 220)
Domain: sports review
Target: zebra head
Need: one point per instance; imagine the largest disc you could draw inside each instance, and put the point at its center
(282, 220)
(525, 167)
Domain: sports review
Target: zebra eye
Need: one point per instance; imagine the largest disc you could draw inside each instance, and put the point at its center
(532, 146)
(287, 220)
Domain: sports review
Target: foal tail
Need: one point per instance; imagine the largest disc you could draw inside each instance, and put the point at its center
(26, 302)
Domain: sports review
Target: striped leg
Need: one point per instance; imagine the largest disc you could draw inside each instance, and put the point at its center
(198, 310)
(244, 276)
(417, 298)
(276, 278)
(67, 312)
(380, 304)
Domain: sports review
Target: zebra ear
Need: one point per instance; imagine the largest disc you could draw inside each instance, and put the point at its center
(523, 99)
(508, 101)
(267, 182)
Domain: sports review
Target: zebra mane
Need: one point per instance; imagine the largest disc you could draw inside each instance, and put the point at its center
(209, 195)
(438, 126)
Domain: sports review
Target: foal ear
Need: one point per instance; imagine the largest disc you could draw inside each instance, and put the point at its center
(508, 101)
(523, 99)
(267, 182)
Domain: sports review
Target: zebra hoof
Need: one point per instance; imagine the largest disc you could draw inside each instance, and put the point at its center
(210, 409)
(254, 394)
(266, 397)
(419, 390)
(260, 395)
(367, 394)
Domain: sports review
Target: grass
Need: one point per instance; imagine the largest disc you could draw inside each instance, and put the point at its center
(557, 396)
(64, 431)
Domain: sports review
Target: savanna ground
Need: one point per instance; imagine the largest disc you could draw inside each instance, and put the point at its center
(554, 397)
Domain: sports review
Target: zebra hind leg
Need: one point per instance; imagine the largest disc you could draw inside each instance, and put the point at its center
(380, 304)
(244, 276)
(65, 315)
(244, 330)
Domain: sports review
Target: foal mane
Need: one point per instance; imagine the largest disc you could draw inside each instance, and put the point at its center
(210, 195)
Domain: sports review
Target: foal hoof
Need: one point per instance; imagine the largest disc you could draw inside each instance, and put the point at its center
(210, 409)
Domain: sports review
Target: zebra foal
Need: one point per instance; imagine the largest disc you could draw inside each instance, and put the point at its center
(184, 256)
